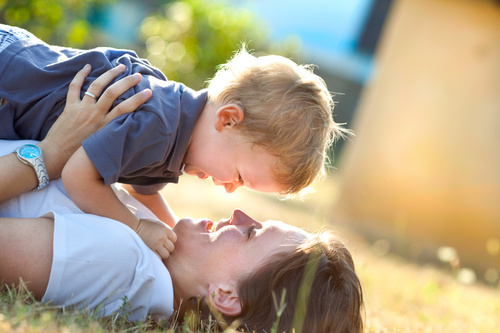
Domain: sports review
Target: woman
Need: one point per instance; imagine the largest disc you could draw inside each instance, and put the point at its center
(235, 266)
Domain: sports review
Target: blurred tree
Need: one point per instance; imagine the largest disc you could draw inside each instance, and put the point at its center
(189, 39)
(60, 22)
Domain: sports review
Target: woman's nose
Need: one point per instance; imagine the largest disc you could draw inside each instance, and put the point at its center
(238, 217)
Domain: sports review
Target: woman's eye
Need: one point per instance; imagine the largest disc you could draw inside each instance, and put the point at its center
(250, 230)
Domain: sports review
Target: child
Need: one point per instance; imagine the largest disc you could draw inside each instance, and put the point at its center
(264, 123)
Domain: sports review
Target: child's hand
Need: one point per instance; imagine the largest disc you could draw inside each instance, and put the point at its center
(158, 236)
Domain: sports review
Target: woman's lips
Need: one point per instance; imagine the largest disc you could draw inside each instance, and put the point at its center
(208, 226)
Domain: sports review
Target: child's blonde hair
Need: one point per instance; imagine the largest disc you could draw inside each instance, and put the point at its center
(288, 112)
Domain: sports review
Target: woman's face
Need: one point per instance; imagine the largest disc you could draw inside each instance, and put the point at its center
(229, 249)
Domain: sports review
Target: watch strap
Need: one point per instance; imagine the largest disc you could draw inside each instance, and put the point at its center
(41, 173)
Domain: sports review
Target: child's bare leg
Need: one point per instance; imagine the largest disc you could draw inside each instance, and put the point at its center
(26, 252)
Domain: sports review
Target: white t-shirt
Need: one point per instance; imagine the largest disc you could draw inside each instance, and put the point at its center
(99, 264)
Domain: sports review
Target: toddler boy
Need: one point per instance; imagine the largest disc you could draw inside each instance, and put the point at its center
(263, 122)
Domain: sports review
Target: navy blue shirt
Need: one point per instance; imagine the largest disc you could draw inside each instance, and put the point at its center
(145, 147)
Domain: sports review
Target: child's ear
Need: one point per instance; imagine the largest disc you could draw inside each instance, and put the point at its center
(229, 115)
(224, 298)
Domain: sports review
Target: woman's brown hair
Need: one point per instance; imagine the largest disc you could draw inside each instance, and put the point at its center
(312, 289)
(319, 287)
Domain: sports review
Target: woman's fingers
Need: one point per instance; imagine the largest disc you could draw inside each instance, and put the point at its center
(128, 105)
(76, 84)
(117, 89)
(108, 97)
(103, 80)
(81, 118)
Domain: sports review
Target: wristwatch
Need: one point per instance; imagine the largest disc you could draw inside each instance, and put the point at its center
(32, 156)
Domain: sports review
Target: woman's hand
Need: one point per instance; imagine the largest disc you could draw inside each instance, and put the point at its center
(83, 117)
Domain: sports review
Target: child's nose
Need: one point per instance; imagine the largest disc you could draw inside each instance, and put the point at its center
(231, 187)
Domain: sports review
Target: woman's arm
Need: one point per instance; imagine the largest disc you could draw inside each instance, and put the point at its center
(79, 119)
(26, 253)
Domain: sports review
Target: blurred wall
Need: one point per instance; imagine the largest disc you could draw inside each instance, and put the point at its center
(425, 163)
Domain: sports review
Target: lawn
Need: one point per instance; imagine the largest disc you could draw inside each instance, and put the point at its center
(400, 296)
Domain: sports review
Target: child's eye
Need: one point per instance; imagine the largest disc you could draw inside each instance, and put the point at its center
(250, 230)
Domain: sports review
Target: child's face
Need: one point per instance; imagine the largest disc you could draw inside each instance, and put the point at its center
(232, 162)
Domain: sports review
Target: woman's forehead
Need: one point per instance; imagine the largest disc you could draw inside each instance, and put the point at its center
(294, 234)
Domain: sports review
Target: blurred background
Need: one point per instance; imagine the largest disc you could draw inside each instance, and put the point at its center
(418, 81)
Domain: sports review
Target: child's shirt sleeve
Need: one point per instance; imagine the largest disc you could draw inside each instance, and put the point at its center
(135, 148)
(147, 146)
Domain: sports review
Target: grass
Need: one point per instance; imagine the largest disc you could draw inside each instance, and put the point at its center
(400, 296)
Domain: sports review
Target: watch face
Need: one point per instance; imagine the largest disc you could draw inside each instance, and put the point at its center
(29, 151)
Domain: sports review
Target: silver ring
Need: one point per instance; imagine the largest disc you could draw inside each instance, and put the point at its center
(91, 95)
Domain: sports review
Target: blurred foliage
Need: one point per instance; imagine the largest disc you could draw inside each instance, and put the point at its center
(60, 22)
(188, 39)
